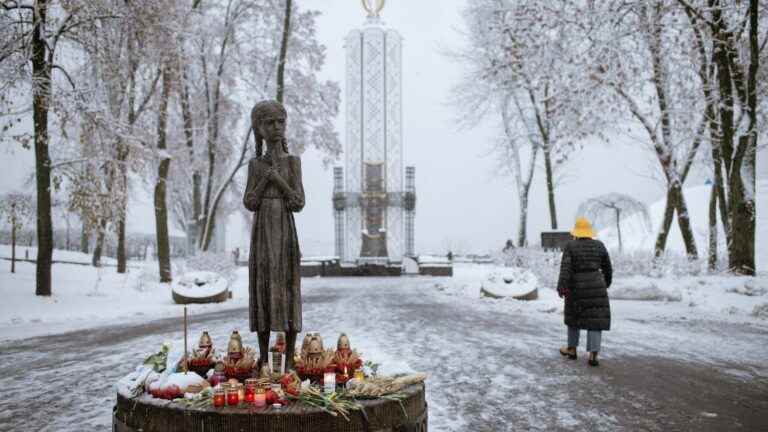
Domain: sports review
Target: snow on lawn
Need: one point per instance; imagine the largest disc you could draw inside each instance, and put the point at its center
(713, 297)
(23, 252)
(85, 297)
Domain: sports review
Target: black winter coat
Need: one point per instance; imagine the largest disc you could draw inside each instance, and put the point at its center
(585, 274)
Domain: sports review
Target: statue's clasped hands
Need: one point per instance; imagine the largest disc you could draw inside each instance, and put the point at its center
(271, 174)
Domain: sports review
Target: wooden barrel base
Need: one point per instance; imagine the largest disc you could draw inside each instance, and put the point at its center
(145, 414)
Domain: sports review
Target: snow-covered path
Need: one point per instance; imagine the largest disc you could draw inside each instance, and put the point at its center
(492, 365)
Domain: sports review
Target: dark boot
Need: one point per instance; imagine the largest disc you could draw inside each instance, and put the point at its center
(593, 359)
(569, 352)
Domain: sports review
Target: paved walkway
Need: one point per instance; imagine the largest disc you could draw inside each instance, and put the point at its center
(491, 366)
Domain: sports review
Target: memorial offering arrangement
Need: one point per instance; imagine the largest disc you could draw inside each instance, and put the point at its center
(202, 377)
(241, 388)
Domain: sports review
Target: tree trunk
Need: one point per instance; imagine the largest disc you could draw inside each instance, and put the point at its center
(618, 227)
(283, 51)
(210, 222)
(13, 246)
(684, 222)
(717, 162)
(522, 238)
(161, 207)
(213, 137)
(84, 238)
(210, 214)
(676, 202)
(742, 184)
(550, 190)
(122, 158)
(712, 255)
(97, 251)
(193, 227)
(123, 152)
(675, 183)
(41, 95)
(666, 223)
(741, 250)
(66, 241)
(122, 257)
(161, 220)
(722, 204)
(706, 74)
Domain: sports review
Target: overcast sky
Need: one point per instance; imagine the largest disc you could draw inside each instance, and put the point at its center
(462, 203)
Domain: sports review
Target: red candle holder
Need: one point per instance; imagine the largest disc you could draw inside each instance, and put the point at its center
(233, 397)
(219, 398)
(250, 390)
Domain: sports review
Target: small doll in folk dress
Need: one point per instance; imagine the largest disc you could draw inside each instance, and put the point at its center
(346, 359)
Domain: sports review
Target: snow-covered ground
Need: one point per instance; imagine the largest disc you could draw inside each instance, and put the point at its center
(84, 297)
(25, 252)
(492, 364)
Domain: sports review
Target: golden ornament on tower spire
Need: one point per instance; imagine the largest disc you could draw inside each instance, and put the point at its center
(373, 7)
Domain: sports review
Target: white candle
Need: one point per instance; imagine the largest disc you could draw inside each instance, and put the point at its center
(329, 382)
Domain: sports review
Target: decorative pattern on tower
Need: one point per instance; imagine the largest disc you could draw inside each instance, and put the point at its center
(371, 205)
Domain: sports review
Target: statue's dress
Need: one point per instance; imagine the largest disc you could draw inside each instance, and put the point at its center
(273, 264)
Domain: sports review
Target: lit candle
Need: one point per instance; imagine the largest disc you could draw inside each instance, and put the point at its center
(233, 398)
(218, 397)
(250, 390)
(260, 398)
(329, 382)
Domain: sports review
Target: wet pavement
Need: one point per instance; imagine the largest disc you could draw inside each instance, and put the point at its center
(492, 366)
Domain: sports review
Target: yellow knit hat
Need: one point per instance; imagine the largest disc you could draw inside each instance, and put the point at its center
(582, 228)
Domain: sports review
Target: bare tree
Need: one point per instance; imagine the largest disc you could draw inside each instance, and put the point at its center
(161, 205)
(34, 32)
(642, 56)
(89, 181)
(608, 210)
(18, 210)
(311, 104)
(522, 181)
(522, 63)
(729, 46)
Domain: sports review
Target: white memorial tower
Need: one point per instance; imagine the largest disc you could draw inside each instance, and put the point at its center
(374, 197)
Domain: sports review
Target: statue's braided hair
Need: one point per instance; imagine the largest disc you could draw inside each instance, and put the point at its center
(260, 111)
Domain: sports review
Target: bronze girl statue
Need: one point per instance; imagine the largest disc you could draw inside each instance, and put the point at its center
(274, 191)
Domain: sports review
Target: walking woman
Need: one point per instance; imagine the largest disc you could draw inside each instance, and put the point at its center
(585, 275)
